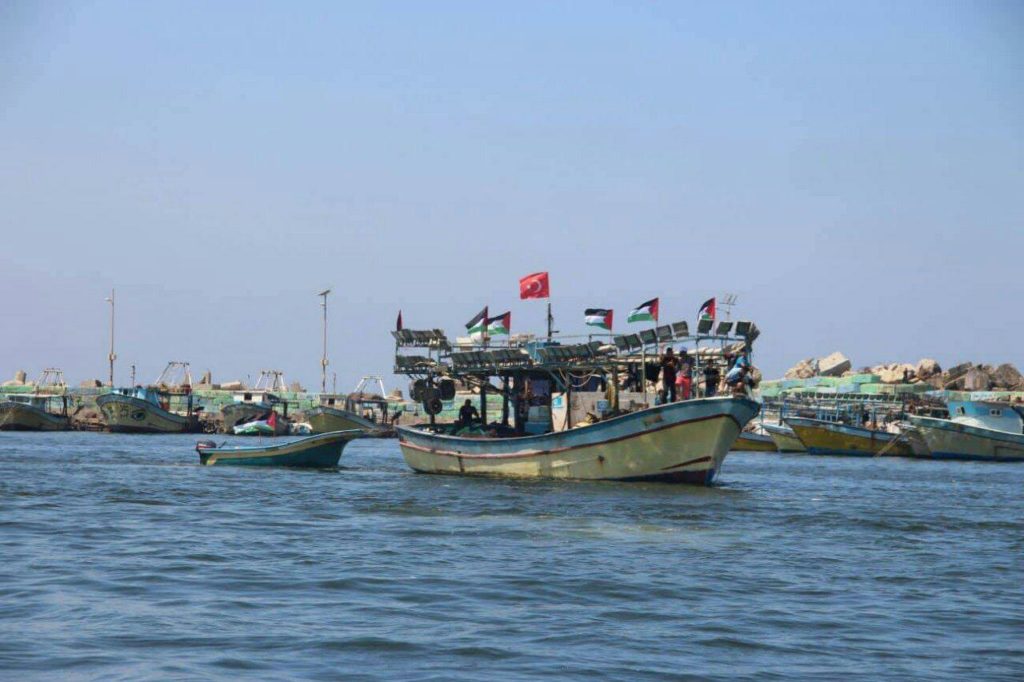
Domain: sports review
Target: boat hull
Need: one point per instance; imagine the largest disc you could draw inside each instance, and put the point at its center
(754, 442)
(785, 439)
(314, 452)
(326, 419)
(830, 438)
(20, 417)
(949, 440)
(125, 414)
(684, 442)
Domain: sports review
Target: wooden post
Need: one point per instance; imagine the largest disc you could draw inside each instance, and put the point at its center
(483, 402)
(504, 400)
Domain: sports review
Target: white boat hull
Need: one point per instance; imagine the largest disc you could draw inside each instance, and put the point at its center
(682, 442)
(947, 439)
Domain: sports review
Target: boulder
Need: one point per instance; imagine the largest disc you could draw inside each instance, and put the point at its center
(977, 379)
(91, 383)
(1006, 376)
(895, 373)
(927, 368)
(232, 386)
(20, 376)
(805, 369)
(834, 365)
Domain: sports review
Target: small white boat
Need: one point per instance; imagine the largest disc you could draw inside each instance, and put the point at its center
(976, 430)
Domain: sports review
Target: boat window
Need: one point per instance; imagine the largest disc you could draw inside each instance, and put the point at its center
(995, 413)
(961, 410)
(247, 397)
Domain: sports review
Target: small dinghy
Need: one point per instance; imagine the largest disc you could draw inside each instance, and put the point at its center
(315, 452)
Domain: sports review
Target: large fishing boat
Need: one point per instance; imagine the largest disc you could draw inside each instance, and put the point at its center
(822, 437)
(44, 409)
(148, 409)
(976, 430)
(685, 441)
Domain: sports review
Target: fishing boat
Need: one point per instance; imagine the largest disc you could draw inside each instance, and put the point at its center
(784, 437)
(976, 430)
(362, 409)
(681, 442)
(822, 437)
(45, 409)
(321, 451)
(148, 409)
(751, 441)
(256, 405)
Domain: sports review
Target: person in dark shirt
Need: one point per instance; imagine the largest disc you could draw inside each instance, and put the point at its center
(467, 413)
(712, 375)
(669, 365)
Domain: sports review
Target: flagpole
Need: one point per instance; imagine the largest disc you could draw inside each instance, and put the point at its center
(551, 320)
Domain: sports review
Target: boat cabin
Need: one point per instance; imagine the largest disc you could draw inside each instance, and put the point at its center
(985, 414)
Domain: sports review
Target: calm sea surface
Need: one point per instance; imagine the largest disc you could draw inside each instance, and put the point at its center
(120, 558)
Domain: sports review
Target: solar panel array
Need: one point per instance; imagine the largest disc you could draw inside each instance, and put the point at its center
(627, 343)
(429, 338)
(500, 358)
(413, 363)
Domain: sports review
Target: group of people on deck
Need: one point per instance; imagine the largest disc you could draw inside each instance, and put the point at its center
(677, 375)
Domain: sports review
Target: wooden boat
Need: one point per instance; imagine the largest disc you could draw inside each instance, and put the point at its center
(749, 441)
(45, 409)
(976, 430)
(254, 406)
(144, 410)
(834, 438)
(34, 412)
(784, 437)
(336, 413)
(314, 452)
(683, 442)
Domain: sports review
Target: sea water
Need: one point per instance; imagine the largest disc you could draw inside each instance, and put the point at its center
(121, 558)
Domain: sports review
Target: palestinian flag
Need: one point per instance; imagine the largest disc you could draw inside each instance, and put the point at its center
(500, 324)
(478, 325)
(707, 311)
(645, 312)
(598, 317)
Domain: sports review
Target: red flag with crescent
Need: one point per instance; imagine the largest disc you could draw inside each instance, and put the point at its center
(535, 286)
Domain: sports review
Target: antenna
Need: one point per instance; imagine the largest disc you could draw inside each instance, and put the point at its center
(323, 358)
(727, 301)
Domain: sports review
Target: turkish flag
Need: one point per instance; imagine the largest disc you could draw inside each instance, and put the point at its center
(535, 286)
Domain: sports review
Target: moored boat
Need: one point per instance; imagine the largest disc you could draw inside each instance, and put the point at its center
(835, 438)
(148, 409)
(683, 442)
(751, 441)
(976, 430)
(784, 437)
(34, 412)
(45, 409)
(321, 451)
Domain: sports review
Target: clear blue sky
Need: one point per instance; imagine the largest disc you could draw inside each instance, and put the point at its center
(854, 172)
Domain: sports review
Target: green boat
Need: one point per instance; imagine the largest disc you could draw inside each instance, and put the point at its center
(313, 452)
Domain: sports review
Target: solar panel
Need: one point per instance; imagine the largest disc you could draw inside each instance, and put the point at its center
(724, 328)
(704, 326)
(664, 333)
(680, 329)
(595, 347)
(634, 341)
(620, 342)
(743, 327)
(648, 336)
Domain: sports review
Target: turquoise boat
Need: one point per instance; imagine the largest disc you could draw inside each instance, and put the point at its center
(315, 452)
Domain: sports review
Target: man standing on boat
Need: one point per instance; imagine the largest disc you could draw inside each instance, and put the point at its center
(669, 365)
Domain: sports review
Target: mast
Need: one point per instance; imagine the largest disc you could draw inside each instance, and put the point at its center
(111, 356)
(323, 358)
